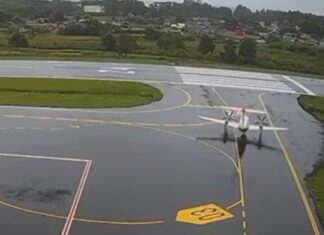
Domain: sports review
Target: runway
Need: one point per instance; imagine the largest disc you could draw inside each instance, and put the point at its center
(158, 168)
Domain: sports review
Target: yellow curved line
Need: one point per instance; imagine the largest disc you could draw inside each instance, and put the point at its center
(31, 211)
(97, 221)
(194, 139)
(187, 102)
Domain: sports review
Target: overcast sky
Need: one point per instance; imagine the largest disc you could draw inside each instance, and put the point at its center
(309, 6)
(312, 6)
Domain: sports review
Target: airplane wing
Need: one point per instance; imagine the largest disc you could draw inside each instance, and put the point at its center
(220, 121)
(267, 128)
(238, 109)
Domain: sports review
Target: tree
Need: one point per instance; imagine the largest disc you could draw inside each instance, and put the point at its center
(164, 42)
(206, 45)
(126, 44)
(18, 40)
(178, 42)
(248, 49)
(229, 54)
(151, 34)
(243, 14)
(171, 42)
(109, 42)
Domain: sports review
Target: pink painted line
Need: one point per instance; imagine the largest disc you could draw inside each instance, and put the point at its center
(76, 200)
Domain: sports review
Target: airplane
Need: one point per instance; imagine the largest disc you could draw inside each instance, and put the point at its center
(243, 124)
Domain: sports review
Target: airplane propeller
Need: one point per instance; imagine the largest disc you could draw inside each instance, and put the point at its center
(261, 121)
(228, 116)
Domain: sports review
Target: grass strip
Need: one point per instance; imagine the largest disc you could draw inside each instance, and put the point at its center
(75, 93)
(315, 181)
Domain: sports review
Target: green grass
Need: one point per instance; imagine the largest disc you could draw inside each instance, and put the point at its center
(313, 105)
(53, 41)
(269, 59)
(75, 93)
(315, 181)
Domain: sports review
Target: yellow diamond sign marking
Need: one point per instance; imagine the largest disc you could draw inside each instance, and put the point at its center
(203, 214)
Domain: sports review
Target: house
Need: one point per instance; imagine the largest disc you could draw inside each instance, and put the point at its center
(94, 7)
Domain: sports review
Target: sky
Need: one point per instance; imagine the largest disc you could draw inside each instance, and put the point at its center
(308, 6)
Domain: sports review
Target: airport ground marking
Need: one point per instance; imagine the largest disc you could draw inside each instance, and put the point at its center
(194, 139)
(219, 96)
(239, 202)
(293, 171)
(238, 160)
(29, 156)
(76, 199)
(79, 219)
(203, 214)
(224, 108)
(99, 221)
(79, 191)
(308, 91)
(50, 215)
(100, 121)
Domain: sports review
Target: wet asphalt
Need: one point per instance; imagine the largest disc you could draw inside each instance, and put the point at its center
(151, 161)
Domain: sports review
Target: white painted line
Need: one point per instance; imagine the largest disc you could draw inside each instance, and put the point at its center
(115, 71)
(40, 117)
(309, 92)
(43, 157)
(76, 200)
(225, 72)
(66, 119)
(57, 129)
(13, 116)
(242, 87)
(20, 128)
(37, 128)
(234, 81)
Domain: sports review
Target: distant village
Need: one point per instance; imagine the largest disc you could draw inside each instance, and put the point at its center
(189, 26)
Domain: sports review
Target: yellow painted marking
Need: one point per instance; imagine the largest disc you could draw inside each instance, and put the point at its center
(243, 213)
(95, 221)
(112, 122)
(194, 139)
(294, 173)
(234, 205)
(239, 172)
(203, 214)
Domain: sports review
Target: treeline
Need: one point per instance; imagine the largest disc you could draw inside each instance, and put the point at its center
(43, 8)
(54, 10)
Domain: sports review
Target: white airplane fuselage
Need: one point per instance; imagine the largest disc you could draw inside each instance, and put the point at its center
(244, 122)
